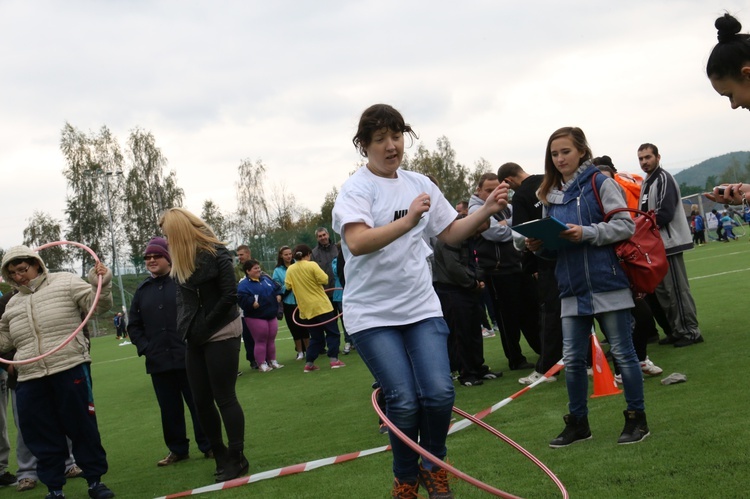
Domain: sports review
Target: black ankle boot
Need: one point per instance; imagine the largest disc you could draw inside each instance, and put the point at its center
(576, 430)
(636, 427)
(220, 456)
(234, 465)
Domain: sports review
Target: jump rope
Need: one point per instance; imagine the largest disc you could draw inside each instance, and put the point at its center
(85, 320)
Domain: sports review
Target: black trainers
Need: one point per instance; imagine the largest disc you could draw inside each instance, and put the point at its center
(470, 381)
(100, 491)
(636, 428)
(487, 374)
(669, 340)
(576, 430)
(8, 478)
(686, 342)
(52, 495)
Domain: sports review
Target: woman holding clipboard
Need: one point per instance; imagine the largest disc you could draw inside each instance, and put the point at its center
(590, 279)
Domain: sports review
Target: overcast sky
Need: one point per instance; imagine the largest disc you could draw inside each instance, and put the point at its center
(285, 82)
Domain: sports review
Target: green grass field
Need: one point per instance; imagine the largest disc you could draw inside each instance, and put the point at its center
(699, 446)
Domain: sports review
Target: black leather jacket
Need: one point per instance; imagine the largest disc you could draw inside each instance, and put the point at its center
(208, 300)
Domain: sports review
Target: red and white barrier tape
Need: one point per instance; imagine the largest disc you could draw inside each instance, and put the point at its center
(311, 465)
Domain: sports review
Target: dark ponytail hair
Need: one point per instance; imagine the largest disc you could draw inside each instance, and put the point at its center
(731, 53)
(300, 251)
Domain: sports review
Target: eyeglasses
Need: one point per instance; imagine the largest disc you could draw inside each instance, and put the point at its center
(19, 271)
(152, 257)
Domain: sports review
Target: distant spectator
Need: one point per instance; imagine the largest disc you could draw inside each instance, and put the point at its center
(323, 254)
(306, 280)
(259, 297)
(463, 208)
(300, 335)
(243, 255)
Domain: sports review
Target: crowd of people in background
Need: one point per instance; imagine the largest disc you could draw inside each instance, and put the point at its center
(420, 286)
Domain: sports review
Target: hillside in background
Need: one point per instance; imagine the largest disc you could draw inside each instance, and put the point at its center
(697, 175)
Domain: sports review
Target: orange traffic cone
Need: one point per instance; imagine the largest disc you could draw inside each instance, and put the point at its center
(604, 382)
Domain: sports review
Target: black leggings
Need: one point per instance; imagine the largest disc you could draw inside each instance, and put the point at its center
(298, 332)
(212, 373)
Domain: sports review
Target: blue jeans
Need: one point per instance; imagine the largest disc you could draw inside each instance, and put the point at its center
(576, 339)
(411, 364)
(322, 336)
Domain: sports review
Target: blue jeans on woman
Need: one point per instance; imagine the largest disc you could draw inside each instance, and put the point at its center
(576, 339)
(411, 364)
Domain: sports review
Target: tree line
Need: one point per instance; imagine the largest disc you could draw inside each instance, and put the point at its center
(116, 193)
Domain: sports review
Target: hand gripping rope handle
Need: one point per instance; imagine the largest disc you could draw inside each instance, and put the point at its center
(460, 474)
(85, 320)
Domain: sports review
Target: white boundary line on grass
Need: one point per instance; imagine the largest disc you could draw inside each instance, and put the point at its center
(716, 275)
(722, 255)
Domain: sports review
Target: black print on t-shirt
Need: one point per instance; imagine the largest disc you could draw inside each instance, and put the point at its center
(399, 214)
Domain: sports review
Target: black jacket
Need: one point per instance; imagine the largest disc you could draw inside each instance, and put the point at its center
(498, 258)
(208, 300)
(152, 325)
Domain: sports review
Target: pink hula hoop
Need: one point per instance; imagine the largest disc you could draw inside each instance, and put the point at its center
(85, 320)
(319, 323)
(455, 471)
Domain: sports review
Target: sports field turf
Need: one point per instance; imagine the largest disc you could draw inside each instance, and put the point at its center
(698, 447)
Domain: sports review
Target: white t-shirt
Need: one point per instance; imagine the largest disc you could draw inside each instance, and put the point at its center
(391, 286)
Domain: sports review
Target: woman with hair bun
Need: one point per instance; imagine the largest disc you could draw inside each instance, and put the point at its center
(306, 280)
(728, 68)
(300, 335)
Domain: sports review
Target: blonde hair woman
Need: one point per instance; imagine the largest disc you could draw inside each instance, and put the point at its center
(208, 318)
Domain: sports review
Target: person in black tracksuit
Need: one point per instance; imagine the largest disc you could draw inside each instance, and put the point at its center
(459, 287)
(514, 293)
(527, 207)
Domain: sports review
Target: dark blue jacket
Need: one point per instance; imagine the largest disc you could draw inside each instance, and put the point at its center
(267, 291)
(153, 325)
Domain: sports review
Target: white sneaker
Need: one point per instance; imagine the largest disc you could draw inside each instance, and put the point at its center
(276, 365)
(487, 333)
(347, 348)
(590, 372)
(534, 377)
(650, 369)
(300, 356)
(618, 379)
(264, 368)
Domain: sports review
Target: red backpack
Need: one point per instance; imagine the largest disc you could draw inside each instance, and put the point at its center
(642, 257)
